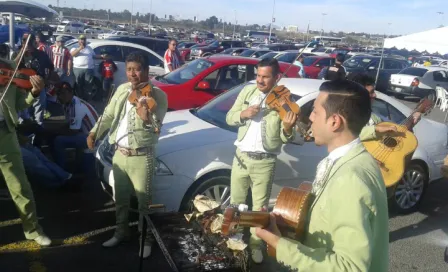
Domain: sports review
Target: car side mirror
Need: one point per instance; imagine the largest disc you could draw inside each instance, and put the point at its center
(203, 85)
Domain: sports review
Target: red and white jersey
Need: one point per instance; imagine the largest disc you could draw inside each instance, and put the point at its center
(43, 47)
(59, 56)
(171, 58)
(81, 115)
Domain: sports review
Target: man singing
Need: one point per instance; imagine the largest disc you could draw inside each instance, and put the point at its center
(261, 135)
(348, 222)
(135, 139)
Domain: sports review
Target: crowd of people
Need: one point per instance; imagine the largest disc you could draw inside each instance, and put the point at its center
(347, 228)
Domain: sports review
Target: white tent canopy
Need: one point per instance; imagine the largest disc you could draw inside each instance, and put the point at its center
(432, 41)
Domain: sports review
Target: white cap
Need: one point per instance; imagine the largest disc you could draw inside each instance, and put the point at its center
(243, 208)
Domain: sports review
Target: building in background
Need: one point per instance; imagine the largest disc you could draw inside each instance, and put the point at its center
(293, 29)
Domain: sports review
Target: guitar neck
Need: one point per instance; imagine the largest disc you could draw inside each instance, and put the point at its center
(409, 122)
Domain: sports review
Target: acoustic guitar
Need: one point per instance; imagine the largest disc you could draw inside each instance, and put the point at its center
(393, 152)
(291, 209)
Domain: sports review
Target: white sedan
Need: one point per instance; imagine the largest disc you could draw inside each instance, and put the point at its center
(196, 148)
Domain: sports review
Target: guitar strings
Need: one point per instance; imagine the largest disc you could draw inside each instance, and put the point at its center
(382, 151)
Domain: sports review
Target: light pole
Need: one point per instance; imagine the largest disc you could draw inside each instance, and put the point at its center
(132, 10)
(382, 55)
(441, 15)
(223, 30)
(272, 20)
(150, 9)
(322, 30)
(234, 25)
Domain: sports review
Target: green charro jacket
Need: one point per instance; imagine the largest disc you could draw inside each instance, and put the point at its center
(140, 135)
(273, 138)
(348, 225)
(14, 101)
(368, 132)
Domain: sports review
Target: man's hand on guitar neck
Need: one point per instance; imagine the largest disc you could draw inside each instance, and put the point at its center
(387, 130)
(417, 116)
(270, 235)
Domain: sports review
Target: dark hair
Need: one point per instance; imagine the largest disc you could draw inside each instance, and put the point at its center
(172, 39)
(361, 78)
(271, 62)
(350, 100)
(138, 58)
(340, 57)
(63, 86)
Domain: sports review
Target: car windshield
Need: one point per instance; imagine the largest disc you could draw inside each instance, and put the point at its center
(215, 111)
(288, 57)
(308, 61)
(268, 55)
(413, 71)
(357, 62)
(247, 53)
(257, 54)
(228, 51)
(186, 72)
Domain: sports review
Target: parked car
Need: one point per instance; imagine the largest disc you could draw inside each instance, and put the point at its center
(199, 81)
(234, 51)
(213, 48)
(369, 65)
(418, 81)
(157, 45)
(118, 51)
(314, 64)
(254, 53)
(204, 135)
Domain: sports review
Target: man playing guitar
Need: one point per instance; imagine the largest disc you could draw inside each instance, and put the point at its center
(348, 220)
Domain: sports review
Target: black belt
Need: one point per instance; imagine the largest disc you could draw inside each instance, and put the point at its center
(260, 156)
(129, 152)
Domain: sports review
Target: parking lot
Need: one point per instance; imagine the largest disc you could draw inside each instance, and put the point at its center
(81, 219)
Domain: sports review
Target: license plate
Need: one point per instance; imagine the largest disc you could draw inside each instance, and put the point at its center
(398, 89)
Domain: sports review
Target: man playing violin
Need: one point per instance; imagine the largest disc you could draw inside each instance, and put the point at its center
(261, 135)
(13, 100)
(134, 136)
(347, 229)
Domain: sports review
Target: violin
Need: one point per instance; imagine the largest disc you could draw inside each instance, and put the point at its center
(279, 99)
(21, 78)
(150, 103)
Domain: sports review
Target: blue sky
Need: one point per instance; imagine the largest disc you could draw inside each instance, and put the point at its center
(372, 16)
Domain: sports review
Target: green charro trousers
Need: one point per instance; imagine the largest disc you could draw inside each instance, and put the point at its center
(132, 173)
(257, 174)
(11, 166)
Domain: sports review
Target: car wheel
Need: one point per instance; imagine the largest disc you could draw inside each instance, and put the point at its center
(216, 188)
(408, 193)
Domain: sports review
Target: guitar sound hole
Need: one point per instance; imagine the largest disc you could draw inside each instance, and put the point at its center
(390, 142)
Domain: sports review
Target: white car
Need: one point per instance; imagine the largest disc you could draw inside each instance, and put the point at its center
(418, 81)
(118, 51)
(93, 30)
(196, 149)
(112, 33)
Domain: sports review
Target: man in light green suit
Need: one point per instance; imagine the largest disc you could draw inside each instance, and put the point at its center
(135, 136)
(348, 222)
(261, 135)
(11, 164)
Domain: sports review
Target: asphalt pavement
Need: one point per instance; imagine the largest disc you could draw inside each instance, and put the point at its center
(80, 219)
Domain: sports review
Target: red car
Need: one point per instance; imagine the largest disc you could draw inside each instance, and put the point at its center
(185, 52)
(313, 65)
(197, 82)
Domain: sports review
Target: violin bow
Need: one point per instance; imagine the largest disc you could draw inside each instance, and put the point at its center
(22, 53)
(101, 117)
(284, 73)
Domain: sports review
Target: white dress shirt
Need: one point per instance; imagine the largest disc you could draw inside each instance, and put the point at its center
(252, 141)
(122, 131)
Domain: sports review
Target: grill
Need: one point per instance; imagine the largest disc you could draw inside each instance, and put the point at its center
(193, 250)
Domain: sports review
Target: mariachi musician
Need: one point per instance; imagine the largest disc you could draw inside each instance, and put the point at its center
(347, 228)
(261, 135)
(12, 100)
(135, 138)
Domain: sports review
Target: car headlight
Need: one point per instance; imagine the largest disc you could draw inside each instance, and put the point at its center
(162, 169)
